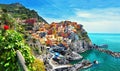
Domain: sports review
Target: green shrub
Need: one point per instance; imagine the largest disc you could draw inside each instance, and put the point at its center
(10, 41)
(38, 65)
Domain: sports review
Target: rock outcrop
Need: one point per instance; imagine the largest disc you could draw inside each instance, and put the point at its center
(79, 46)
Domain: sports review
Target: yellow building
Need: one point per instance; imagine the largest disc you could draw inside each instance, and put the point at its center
(42, 40)
(59, 38)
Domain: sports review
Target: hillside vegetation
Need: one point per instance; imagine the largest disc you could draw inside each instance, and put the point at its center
(19, 11)
(12, 39)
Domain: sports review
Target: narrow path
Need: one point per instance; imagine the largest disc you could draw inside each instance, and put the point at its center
(62, 66)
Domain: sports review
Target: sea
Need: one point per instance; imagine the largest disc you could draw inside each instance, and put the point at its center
(106, 62)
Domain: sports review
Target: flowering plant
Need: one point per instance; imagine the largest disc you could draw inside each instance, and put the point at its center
(6, 27)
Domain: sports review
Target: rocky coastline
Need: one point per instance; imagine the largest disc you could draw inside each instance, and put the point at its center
(102, 49)
(60, 45)
(63, 43)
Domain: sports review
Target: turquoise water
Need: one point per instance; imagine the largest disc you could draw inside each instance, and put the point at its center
(106, 62)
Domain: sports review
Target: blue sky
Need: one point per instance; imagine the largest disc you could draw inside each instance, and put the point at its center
(97, 16)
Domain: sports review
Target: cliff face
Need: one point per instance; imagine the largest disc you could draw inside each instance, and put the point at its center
(19, 11)
(80, 39)
(64, 34)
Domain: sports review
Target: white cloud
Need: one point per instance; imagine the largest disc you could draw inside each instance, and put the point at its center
(50, 20)
(105, 20)
(99, 14)
(99, 20)
(85, 15)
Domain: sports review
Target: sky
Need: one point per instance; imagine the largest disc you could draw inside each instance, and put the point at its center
(97, 16)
